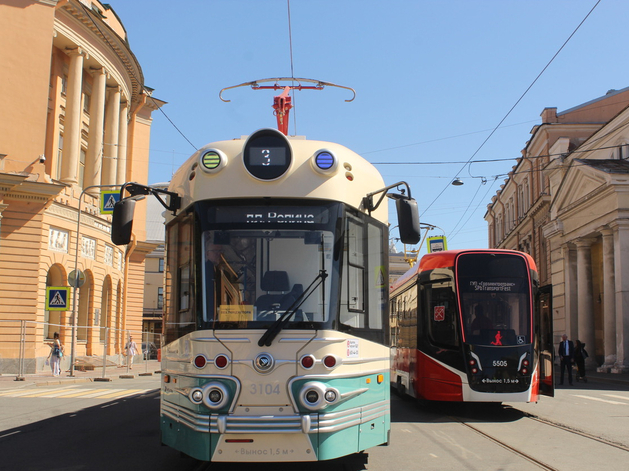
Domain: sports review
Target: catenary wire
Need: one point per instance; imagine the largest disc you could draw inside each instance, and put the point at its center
(516, 103)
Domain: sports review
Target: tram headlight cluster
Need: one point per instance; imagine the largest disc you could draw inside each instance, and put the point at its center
(316, 396)
(213, 395)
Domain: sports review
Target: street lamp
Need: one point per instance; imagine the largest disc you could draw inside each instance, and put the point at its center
(75, 282)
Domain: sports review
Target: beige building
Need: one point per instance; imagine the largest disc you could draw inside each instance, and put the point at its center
(154, 274)
(74, 116)
(565, 203)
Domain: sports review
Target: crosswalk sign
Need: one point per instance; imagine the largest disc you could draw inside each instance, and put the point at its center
(108, 200)
(57, 298)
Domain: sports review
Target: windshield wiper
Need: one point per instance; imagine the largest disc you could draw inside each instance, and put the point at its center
(278, 325)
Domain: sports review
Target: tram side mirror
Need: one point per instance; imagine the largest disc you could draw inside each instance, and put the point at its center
(122, 221)
(408, 220)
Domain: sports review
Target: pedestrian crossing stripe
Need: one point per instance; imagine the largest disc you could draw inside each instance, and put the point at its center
(108, 200)
(67, 393)
(57, 298)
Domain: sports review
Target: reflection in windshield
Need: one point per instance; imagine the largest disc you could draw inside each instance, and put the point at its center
(257, 275)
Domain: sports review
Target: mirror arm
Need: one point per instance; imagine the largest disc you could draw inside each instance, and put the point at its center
(136, 189)
(368, 203)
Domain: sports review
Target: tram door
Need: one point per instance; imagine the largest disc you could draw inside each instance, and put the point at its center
(544, 310)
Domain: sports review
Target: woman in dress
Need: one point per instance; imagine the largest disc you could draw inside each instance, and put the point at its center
(56, 352)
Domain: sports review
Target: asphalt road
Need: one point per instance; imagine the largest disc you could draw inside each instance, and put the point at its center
(115, 426)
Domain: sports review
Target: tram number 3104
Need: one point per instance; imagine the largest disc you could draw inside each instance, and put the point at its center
(261, 389)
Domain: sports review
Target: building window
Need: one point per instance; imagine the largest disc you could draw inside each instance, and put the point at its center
(86, 103)
(59, 157)
(160, 298)
(82, 167)
(64, 83)
(161, 265)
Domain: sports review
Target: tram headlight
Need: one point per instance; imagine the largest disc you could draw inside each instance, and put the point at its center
(312, 396)
(196, 396)
(316, 396)
(215, 395)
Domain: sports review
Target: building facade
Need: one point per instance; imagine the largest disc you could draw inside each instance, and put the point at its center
(75, 119)
(563, 204)
(154, 277)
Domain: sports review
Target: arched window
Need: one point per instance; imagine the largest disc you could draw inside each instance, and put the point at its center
(105, 309)
(84, 321)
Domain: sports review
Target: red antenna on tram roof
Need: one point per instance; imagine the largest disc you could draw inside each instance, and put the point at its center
(282, 103)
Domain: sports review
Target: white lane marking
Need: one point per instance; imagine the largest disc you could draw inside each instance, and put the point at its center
(600, 400)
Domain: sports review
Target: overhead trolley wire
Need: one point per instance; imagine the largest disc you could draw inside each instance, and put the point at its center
(516, 103)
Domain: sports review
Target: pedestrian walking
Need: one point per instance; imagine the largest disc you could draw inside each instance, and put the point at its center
(131, 349)
(566, 355)
(580, 354)
(56, 353)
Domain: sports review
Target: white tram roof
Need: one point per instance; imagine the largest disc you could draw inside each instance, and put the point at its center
(352, 178)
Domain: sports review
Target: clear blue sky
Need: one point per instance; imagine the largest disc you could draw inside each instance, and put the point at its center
(432, 79)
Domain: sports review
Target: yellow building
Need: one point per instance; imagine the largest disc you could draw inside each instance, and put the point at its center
(75, 119)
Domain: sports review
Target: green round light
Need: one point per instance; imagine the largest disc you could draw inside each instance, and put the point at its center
(211, 160)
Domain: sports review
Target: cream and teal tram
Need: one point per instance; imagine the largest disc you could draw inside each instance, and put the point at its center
(275, 300)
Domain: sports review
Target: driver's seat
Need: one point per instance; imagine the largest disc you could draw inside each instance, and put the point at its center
(276, 285)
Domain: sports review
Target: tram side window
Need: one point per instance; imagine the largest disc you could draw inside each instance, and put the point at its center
(440, 308)
(377, 278)
(354, 315)
(179, 317)
(364, 288)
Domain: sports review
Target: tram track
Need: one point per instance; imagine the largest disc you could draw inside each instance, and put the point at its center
(527, 456)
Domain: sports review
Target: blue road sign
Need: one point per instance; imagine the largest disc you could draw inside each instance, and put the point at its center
(57, 298)
(108, 200)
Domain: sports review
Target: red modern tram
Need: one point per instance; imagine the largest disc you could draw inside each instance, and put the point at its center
(466, 325)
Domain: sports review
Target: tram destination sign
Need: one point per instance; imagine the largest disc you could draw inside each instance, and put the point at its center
(272, 215)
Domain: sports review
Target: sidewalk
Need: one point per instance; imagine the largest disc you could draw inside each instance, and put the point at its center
(112, 373)
(593, 377)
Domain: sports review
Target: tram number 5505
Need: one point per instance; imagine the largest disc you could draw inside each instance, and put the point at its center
(500, 363)
(261, 389)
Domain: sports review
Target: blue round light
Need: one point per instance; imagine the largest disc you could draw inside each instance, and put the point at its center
(324, 160)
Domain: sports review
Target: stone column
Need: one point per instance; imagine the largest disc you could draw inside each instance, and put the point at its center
(72, 123)
(621, 279)
(121, 172)
(570, 280)
(93, 160)
(609, 300)
(585, 308)
(112, 128)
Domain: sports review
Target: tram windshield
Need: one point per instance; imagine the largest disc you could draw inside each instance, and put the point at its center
(495, 300)
(260, 262)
